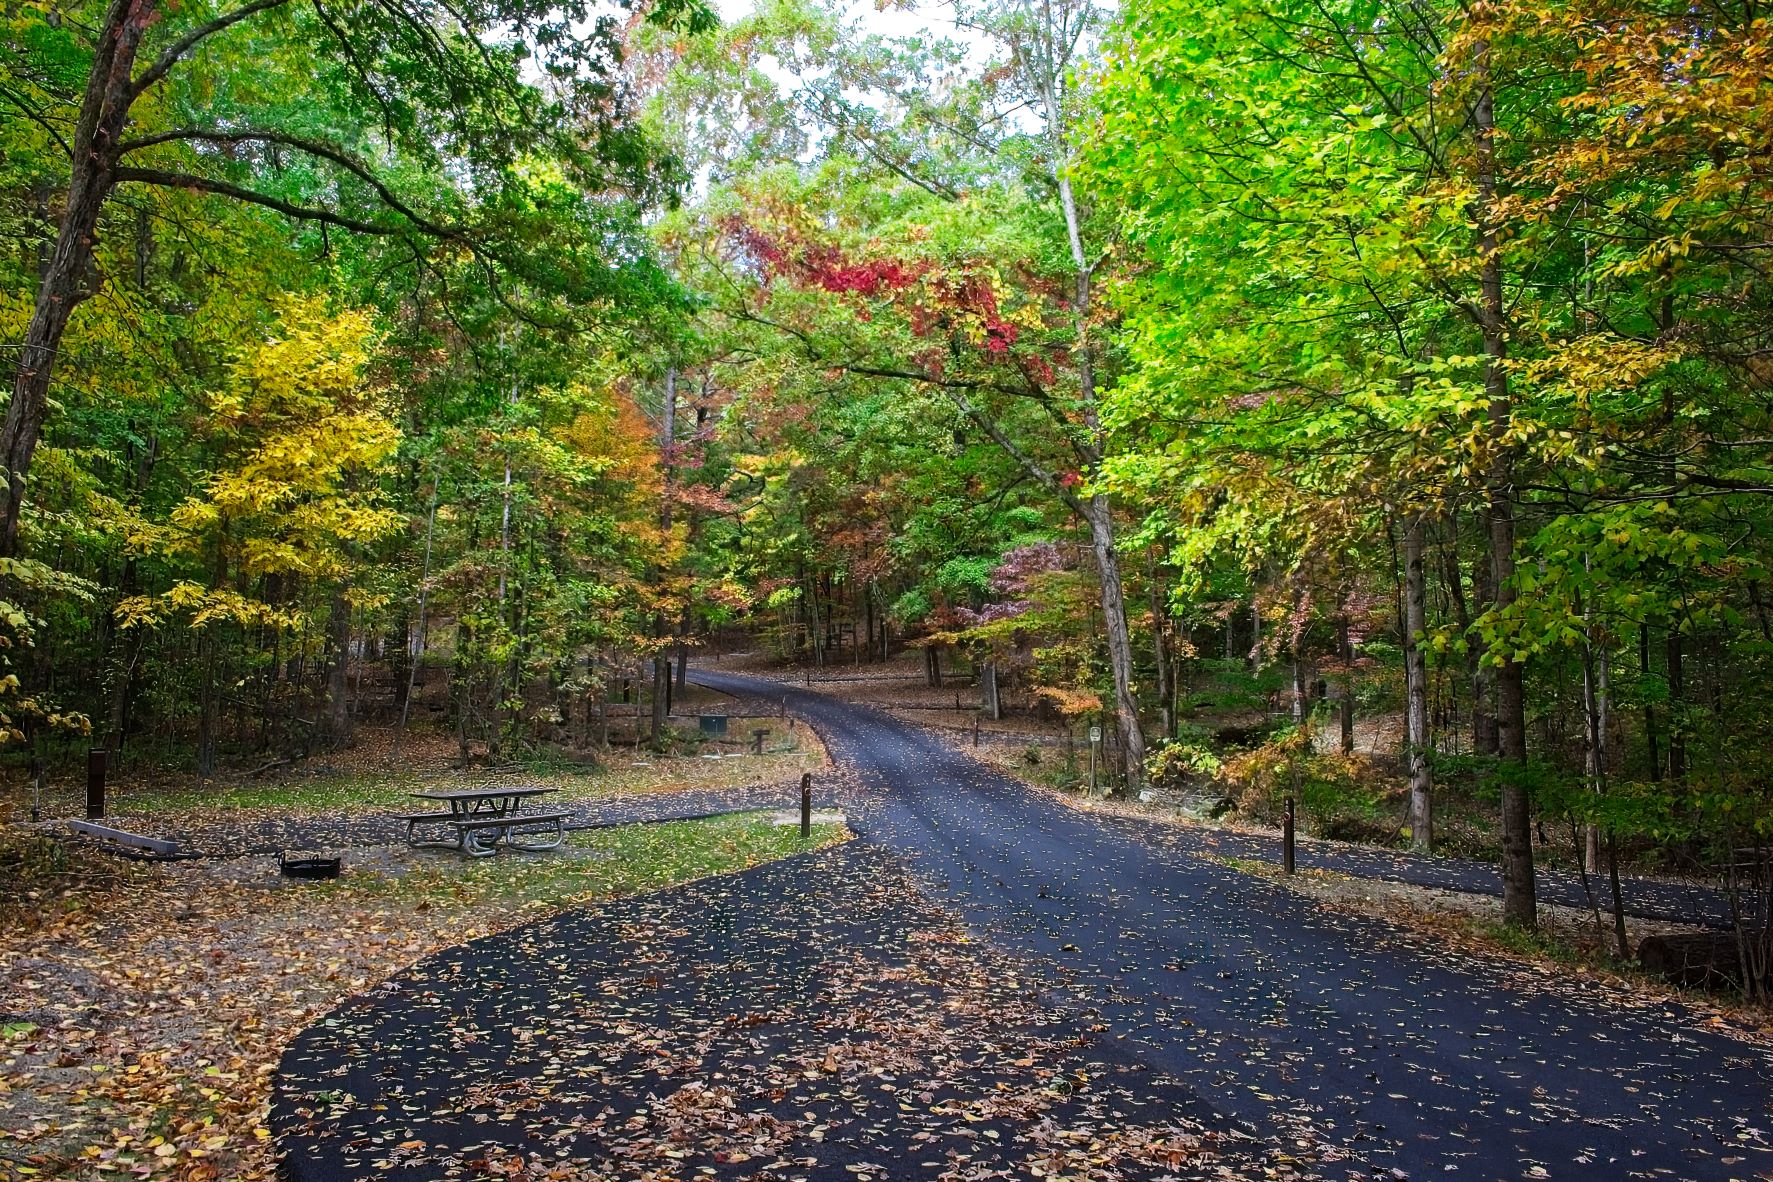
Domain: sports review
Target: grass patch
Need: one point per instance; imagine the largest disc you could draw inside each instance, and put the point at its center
(319, 793)
(599, 863)
(391, 788)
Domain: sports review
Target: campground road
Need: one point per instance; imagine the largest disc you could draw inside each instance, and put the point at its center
(1299, 1021)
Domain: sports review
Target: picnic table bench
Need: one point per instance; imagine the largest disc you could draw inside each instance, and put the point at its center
(482, 818)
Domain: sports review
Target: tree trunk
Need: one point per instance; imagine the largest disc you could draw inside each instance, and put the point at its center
(1416, 690)
(661, 658)
(1519, 905)
(338, 686)
(1483, 682)
(1677, 740)
(1120, 648)
(97, 133)
(1345, 654)
(1161, 649)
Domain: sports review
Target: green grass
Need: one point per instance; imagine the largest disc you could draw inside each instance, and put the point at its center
(600, 863)
(306, 794)
(623, 771)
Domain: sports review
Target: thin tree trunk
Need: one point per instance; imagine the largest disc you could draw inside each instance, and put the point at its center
(1519, 904)
(1677, 740)
(1484, 739)
(338, 672)
(1416, 690)
(1161, 648)
(1120, 649)
(414, 657)
(1345, 654)
(661, 660)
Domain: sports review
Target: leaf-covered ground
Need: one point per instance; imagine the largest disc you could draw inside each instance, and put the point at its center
(815, 1018)
(141, 1021)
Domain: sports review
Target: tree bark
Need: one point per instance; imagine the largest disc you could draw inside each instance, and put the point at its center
(661, 660)
(338, 684)
(1100, 517)
(1519, 904)
(1416, 690)
(1677, 741)
(1345, 654)
(98, 132)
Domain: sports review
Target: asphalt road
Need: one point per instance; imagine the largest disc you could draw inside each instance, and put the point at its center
(1263, 1022)
(1289, 1017)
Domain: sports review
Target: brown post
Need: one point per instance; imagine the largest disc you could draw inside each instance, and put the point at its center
(1287, 840)
(95, 784)
(806, 805)
(975, 730)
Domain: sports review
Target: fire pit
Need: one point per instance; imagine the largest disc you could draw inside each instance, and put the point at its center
(307, 867)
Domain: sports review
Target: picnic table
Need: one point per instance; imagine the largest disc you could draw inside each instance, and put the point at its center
(481, 818)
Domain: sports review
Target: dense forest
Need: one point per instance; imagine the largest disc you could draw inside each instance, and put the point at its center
(1380, 367)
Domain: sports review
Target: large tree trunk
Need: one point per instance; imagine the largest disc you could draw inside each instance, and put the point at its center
(97, 134)
(1519, 905)
(1120, 648)
(1416, 690)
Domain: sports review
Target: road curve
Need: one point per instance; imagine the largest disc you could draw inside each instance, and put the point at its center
(1306, 1024)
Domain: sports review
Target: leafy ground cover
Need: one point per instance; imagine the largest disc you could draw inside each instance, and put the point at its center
(147, 1005)
(820, 1018)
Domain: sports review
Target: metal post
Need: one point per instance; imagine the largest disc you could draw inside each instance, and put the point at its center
(975, 730)
(1092, 765)
(806, 806)
(1287, 840)
(95, 784)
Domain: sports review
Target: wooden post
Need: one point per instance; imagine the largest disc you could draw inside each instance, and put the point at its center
(95, 784)
(1287, 840)
(757, 738)
(975, 730)
(1095, 740)
(806, 806)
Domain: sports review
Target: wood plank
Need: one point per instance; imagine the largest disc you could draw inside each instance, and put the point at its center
(154, 845)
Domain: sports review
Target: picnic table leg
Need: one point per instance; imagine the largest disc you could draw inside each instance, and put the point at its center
(474, 847)
(551, 840)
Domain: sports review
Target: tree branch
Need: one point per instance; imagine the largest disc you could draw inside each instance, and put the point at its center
(183, 45)
(181, 180)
